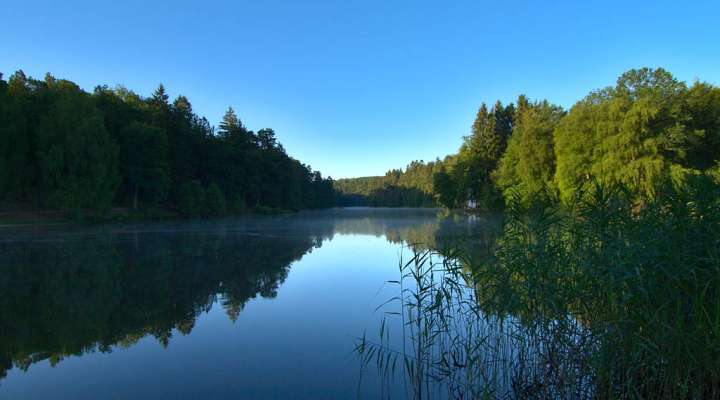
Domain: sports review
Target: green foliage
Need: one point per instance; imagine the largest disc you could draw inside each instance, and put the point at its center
(446, 188)
(215, 200)
(17, 171)
(452, 182)
(528, 166)
(480, 155)
(644, 281)
(647, 129)
(412, 187)
(604, 300)
(191, 201)
(77, 158)
(144, 162)
(237, 205)
(63, 147)
(702, 103)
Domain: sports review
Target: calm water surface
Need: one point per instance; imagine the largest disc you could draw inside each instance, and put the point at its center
(252, 308)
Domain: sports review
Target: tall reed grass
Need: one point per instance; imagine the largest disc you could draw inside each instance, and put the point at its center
(608, 297)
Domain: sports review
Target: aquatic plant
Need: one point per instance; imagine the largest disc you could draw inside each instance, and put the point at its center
(608, 297)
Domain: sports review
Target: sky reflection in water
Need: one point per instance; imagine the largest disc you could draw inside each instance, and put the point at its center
(256, 307)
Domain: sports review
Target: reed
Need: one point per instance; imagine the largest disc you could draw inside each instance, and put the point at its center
(606, 297)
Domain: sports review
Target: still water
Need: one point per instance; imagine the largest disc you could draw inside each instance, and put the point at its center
(251, 308)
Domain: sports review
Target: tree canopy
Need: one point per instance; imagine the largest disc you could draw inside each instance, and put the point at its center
(648, 127)
(645, 132)
(62, 147)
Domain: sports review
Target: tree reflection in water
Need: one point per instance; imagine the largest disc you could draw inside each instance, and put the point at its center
(79, 290)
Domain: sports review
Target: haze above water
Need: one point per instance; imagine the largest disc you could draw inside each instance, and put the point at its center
(254, 307)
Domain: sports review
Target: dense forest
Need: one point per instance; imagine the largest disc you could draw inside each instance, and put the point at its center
(647, 130)
(64, 148)
(412, 187)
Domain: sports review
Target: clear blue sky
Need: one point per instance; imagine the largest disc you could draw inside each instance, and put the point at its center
(355, 88)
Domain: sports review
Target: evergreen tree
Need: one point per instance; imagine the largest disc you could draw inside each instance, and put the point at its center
(63, 147)
(18, 169)
(267, 140)
(528, 165)
(702, 104)
(77, 157)
(480, 154)
(191, 199)
(230, 125)
(144, 162)
(215, 200)
(185, 141)
(159, 96)
(445, 188)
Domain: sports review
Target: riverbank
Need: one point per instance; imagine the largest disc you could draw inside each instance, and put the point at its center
(609, 297)
(15, 214)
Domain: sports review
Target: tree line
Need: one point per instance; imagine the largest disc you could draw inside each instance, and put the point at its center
(648, 130)
(62, 147)
(411, 187)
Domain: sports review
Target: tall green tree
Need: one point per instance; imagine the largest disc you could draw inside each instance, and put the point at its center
(480, 154)
(185, 141)
(144, 162)
(237, 160)
(528, 165)
(230, 125)
(63, 147)
(215, 200)
(77, 157)
(638, 133)
(445, 188)
(21, 100)
(702, 104)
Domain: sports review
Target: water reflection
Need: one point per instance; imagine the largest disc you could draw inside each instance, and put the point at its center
(78, 291)
(65, 298)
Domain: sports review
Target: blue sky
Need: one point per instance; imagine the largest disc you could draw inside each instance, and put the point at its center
(355, 88)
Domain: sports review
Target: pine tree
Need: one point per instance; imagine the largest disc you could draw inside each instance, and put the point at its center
(182, 107)
(528, 165)
(480, 154)
(144, 162)
(159, 96)
(215, 200)
(230, 125)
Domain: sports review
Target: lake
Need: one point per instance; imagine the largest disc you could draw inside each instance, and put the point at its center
(252, 307)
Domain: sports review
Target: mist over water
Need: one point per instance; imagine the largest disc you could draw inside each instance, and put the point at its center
(252, 307)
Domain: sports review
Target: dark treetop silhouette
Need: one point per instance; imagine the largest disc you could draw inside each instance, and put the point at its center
(62, 147)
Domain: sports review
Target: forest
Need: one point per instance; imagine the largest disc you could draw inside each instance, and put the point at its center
(648, 130)
(64, 148)
(603, 279)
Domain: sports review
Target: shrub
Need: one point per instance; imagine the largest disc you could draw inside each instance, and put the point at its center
(237, 205)
(191, 200)
(215, 200)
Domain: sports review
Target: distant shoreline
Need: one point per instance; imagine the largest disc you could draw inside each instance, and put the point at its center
(19, 215)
